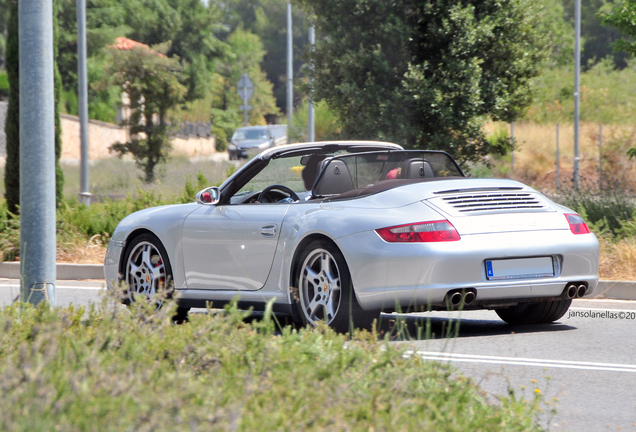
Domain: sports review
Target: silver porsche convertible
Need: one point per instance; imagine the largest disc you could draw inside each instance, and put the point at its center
(341, 231)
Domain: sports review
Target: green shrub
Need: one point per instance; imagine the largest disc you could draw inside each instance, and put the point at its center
(9, 235)
(4, 85)
(607, 94)
(70, 102)
(610, 214)
(102, 218)
(110, 369)
(190, 189)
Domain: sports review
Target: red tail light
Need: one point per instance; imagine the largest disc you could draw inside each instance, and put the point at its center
(577, 224)
(434, 231)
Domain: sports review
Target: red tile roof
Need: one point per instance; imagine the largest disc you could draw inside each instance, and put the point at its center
(125, 44)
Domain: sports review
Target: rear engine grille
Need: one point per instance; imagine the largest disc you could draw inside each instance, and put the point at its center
(494, 201)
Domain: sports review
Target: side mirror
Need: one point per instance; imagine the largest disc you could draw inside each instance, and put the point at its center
(209, 196)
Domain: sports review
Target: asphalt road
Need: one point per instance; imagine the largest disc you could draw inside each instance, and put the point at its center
(584, 365)
(77, 292)
(587, 361)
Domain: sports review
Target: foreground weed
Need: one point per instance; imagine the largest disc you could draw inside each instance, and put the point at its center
(109, 368)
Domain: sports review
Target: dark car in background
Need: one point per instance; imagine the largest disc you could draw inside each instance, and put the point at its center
(255, 139)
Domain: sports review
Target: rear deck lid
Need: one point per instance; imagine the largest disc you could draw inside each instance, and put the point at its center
(505, 208)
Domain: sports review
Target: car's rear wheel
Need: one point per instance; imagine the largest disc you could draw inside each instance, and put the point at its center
(534, 313)
(148, 274)
(325, 291)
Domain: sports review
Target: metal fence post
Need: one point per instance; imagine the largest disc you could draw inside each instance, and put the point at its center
(82, 96)
(311, 115)
(512, 146)
(600, 158)
(290, 69)
(577, 96)
(558, 174)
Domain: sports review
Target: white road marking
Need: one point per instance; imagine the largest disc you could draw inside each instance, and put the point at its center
(71, 287)
(519, 361)
(81, 288)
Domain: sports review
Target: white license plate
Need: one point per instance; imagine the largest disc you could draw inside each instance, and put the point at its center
(520, 268)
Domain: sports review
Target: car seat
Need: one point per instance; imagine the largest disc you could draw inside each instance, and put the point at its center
(417, 168)
(336, 179)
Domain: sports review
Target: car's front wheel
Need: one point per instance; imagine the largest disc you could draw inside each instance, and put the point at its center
(147, 272)
(534, 313)
(325, 291)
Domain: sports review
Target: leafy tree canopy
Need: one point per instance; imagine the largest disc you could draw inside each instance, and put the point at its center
(268, 20)
(246, 55)
(193, 28)
(426, 74)
(624, 19)
(597, 39)
(559, 32)
(151, 83)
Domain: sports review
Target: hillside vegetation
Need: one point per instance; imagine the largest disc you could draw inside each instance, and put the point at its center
(608, 95)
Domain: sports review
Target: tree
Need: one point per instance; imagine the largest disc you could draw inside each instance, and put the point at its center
(246, 53)
(624, 18)
(5, 6)
(192, 26)
(560, 33)
(150, 80)
(268, 20)
(597, 39)
(105, 21)
(12, 122)
(426, 74)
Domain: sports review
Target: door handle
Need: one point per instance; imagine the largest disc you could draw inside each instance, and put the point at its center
(269, 230)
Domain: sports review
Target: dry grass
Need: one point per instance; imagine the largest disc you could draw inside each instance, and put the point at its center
(618, 260)
(80, 251)
(535, 156)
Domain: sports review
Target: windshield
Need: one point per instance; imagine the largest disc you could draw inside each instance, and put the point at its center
(241, 134)
(282, 171)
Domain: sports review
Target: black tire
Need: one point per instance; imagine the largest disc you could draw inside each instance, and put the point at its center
(325, 291)
(534, 313)
(147, 272)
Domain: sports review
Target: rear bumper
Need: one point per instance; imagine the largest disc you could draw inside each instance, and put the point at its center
(399, 275)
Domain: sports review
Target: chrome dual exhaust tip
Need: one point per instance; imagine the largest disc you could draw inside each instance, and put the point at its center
(460, 297)
(574, 290)
(456, 298)
(469, 297)
(581, 290)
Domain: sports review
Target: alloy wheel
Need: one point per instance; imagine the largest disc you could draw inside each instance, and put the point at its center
(320, 287)
(145, 271)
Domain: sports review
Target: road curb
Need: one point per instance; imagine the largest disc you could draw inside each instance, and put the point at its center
(11, 270)
(617, 290)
